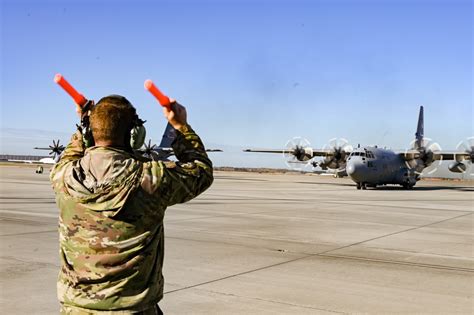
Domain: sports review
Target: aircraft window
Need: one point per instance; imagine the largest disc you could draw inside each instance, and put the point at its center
(362, 154)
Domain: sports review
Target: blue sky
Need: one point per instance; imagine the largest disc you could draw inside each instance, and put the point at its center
(251, 73)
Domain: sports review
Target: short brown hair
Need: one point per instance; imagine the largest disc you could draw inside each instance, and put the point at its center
(111, 119)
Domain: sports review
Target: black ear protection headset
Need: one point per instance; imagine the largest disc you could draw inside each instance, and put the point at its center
(137, 132)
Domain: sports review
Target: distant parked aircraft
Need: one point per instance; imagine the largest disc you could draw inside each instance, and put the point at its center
(153, 152)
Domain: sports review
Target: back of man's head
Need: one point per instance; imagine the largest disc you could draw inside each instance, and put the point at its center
(111, 120)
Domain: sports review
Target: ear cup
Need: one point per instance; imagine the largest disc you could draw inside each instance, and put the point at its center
(137, 137)
(87, 137)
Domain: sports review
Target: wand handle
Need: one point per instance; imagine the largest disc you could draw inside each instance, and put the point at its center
(79, 99)
(162, 99)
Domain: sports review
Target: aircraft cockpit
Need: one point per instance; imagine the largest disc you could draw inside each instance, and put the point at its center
(364, 154)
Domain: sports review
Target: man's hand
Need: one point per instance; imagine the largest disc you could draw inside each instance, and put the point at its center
(85, 110)
(176, 115)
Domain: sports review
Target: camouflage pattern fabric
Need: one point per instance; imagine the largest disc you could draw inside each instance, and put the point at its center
(112, 203)
(71, 310)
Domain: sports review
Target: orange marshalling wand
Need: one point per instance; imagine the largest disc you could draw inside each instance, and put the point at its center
(163, 99)
(79, 99)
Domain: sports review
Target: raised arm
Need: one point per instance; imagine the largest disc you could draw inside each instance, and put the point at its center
(73, 151)
(191, 175)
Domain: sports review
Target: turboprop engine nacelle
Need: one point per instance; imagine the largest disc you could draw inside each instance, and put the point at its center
(303, 154)
(457, 167)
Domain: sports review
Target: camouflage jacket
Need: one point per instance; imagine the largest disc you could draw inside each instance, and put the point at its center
(112, 205)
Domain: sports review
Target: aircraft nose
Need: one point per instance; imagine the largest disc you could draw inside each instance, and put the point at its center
(355, 170)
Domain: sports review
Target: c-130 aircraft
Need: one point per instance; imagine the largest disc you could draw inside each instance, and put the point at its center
(371, 166)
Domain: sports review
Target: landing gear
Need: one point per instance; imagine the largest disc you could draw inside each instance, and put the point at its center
(362, 186)
(408, 186)
(39, 170)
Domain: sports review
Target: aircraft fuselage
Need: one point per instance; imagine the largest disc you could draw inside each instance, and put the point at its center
(372, 166)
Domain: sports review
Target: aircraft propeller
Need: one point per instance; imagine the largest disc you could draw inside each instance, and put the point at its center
(297, 150)
(155, 152)
(338, 149)
(466, 146)
(425, 156)
(55, 150)
(149, 149)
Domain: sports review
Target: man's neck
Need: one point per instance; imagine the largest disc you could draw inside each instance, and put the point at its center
(109, 144)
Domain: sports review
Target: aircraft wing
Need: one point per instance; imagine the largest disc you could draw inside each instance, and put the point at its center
(437, 155)
(311, 152)
(409, 154)
(161, 153)
(170, 150)
(163, 150)
(267, 151)
(452, 155)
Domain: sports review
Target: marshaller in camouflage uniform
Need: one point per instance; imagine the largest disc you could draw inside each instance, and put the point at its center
(112, 203)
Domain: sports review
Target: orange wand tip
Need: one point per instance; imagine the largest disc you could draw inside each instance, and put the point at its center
(148, 84)
(78, 97)
(58, 77)
(162, 99)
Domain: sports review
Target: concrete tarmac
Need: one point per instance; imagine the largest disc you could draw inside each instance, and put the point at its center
(266, 244)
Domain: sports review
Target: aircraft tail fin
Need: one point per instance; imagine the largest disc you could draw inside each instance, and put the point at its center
(420, 130)
(168, 136)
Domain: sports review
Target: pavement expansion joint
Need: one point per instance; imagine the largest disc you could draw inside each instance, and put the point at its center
(395, 233)
(397, 262)
(391, 206)
(28, 233)
(271, 301)
(238, 274)
(35, 263)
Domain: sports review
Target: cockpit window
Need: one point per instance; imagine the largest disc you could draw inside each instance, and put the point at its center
(368, 154)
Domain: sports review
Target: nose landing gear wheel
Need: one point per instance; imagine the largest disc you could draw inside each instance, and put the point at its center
(358, 186)
(364, 186)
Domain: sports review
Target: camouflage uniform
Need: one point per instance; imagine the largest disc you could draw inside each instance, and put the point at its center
(112, 205)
